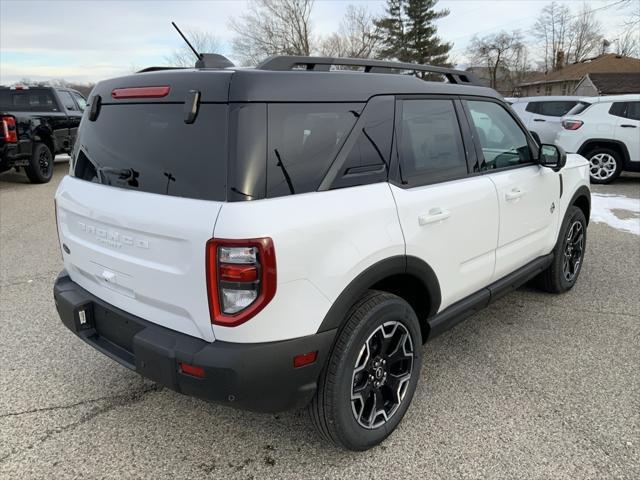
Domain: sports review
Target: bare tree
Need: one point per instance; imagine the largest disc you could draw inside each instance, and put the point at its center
(584, 36)
(499, 53)
(551, 31)
(357, 36)
(628, 43)
(273, 27)
(203, 42)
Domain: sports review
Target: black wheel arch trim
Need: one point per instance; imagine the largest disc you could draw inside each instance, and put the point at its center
(601, 143)
(582, 192)
(396, 265)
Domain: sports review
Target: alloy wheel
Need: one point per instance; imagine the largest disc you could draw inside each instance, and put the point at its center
(603, 166)
(381, 374)
(44, 162)
(573, 251)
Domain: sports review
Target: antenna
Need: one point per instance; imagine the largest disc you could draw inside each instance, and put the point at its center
(198, 56)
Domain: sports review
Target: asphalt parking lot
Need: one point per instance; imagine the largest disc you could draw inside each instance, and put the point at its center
(535, 386)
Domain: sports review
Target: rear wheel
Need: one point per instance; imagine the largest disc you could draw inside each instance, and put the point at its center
(605, 165)
(40, 168)
(568, 254)
(371, 374)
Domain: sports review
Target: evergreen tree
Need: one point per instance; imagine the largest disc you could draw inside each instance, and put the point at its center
(409, 33)
(392, 31)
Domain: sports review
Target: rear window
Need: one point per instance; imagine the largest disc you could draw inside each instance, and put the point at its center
(149, 148)
(579, 108)
(30, 100)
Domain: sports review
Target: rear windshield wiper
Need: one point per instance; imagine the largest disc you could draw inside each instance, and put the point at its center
(284, 172)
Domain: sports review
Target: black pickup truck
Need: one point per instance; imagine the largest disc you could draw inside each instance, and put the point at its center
(37, 124)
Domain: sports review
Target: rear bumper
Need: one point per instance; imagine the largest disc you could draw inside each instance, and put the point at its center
(252, 376)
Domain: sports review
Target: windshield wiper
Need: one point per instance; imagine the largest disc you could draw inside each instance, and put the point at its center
(284, 172)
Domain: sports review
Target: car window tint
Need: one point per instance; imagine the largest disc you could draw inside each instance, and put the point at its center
(303, 140)
(555, 108)
(28, 100)
(368, 157)
(533, 107)
(579, 108)
(503, 142)
(618, 109)
(67, 100)
(431, 147)
(633, 110)
(80, 100)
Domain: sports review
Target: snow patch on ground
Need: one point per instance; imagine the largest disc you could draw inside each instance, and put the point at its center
(604, 207)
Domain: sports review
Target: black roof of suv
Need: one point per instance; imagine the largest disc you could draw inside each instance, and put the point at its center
(309, 79)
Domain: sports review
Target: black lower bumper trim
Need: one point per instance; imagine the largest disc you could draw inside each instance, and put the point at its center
(252, 376)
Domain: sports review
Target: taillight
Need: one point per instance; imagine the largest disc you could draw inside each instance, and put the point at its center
(572, 124)
(241, 278)
(9, 130)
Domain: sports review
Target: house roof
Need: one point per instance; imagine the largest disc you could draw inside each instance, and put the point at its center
(615, 83)
(607, 63)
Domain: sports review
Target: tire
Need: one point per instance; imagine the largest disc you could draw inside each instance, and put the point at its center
(605, 165)
(556, 279)
(40, 168)
(355, 374)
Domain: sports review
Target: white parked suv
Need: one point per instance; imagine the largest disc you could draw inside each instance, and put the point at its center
(543, 115)
(605, 130)
(290, 235)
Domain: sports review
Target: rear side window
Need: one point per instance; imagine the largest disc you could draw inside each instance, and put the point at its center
(579, 108)
(503, 142)
(302, 142)
(629, 110)
(149, 148)
(30, 100)
(430, 144)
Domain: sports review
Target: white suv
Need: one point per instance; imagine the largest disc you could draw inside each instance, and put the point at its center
(606, 130)
(290, 235)
(543, 115)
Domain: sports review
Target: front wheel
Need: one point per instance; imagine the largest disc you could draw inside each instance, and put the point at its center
(40, 168)
(568, 254)
(371, 374)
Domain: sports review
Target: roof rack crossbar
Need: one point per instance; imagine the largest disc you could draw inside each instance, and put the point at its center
(324, 64)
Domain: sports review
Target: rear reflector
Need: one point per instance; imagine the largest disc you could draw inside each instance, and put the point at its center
(304, 359)
(191, 370)
(140, 92)
(238, 273)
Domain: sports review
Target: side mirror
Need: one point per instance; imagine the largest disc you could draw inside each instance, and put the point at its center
(552, 156)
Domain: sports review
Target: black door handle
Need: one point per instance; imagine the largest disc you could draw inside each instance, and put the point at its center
(626, 125)
(538, 120)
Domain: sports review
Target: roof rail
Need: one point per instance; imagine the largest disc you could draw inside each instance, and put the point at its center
(292, 62)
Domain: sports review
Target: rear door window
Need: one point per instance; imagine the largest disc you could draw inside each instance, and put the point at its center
(430, 144)
(149, 148)
(555, 108)
(303, 140)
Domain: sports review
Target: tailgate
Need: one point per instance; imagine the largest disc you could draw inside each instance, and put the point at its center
(144, 193)
(143, 253)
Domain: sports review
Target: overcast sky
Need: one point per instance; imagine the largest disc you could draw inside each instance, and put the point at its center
(86, 41)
